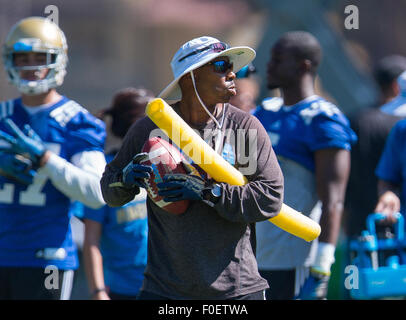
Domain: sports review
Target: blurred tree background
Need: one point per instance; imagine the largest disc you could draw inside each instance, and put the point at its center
(122, 43)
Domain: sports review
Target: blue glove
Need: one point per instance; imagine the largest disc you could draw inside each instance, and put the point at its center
(315, 286)
(134, 174)
(16, 167)
(25, 143)
(179, 186)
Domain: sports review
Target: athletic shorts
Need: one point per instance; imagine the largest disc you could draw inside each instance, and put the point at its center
(30, 283)
(284, 284)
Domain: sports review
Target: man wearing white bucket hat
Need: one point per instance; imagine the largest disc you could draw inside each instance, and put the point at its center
(208, 252)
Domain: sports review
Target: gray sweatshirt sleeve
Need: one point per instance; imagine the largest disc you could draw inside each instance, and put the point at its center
(114, 194)
(262, 197)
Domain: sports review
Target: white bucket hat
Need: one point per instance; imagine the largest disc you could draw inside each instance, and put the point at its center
(196, 53)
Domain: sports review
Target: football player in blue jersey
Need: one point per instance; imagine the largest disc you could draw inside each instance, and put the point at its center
(372, 126)
(391, 173)
(312, 140)
(115, 245)
(51, 153)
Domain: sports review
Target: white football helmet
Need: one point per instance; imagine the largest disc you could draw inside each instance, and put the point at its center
(36, 34)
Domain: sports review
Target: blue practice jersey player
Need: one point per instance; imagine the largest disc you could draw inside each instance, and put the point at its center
(51, 153)
(297, 131)
(312, 140)
(123, 246)
(115, 245)
(391, 173)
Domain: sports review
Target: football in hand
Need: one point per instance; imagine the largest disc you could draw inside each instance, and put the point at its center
(164, 158)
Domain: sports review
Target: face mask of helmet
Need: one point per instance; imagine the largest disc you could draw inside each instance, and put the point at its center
(42, 36)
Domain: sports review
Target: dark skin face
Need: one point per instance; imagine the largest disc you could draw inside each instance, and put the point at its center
(214, 89)
(284, 68)
(292, 75)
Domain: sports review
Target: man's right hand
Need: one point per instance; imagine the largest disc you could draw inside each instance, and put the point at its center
(135, 173)
(16, 167)
(389, 205)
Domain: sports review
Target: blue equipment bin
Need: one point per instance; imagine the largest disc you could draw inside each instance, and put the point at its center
(381, 263)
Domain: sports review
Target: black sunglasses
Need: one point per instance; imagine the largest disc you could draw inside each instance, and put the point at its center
(221, 66)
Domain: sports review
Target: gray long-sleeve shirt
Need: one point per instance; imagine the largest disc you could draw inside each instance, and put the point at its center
(208, 253)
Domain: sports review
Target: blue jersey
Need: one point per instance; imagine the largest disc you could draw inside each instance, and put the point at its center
(298, 131)
(34, 220)
(392, 165)
(123, 243)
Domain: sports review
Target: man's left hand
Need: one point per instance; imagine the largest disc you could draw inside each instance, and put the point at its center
(315, 286)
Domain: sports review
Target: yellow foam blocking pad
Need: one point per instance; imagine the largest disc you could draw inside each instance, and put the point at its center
(219, 169)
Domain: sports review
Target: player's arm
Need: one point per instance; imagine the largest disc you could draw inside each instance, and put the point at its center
(332, 172)
(118, 183)
(78, 179)
(93, 260)
(332, 168)
(262, 197)
(389, 173)
(258, 200)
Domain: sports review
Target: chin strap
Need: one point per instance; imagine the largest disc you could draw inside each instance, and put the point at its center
(218, 125)
(202, 103)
